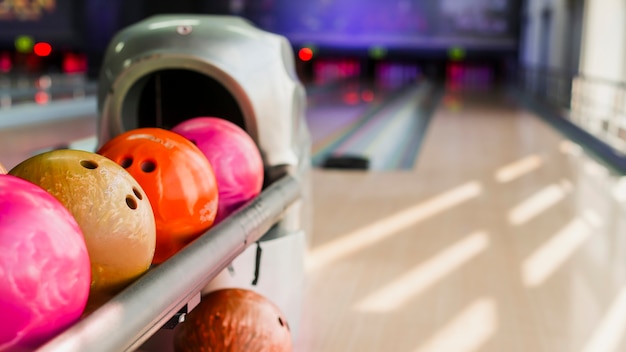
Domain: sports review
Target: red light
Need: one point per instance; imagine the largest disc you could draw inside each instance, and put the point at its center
(42, 49)
(367, 95)
(351, 98)
(42, 98)
(5, 62)
(305, 54)
(74, 63)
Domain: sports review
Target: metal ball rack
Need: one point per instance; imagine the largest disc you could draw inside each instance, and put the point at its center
(169, 290)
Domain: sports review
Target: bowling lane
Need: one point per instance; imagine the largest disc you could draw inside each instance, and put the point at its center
(336, 108)
(386, 124)
(43, 112)
(16, 90)
(505, 236)
(20, 142)
(343, 116)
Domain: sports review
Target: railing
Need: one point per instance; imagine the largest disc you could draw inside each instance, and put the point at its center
(596, 105)
(131, 317)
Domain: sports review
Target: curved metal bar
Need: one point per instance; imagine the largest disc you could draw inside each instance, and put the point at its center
(131, 317)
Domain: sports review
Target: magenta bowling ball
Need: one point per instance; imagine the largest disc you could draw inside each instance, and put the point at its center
(44, 266)
(235, 158)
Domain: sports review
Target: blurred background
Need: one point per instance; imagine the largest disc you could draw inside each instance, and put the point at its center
(421, 32)
(554, 49)
(485, 207)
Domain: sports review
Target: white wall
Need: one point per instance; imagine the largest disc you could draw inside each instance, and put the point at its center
(603, 52)
(599, 52)
(586, 36)
(560, 48)
(603, 55)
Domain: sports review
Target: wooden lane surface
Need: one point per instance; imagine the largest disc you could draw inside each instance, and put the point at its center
(19, 143)
(505, 237)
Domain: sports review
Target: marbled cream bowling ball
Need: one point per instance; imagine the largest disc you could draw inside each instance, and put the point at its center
(44, 266)
(111, 208)
(178, 180)
(234, 320)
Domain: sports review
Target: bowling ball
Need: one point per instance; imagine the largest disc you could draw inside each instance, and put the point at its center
(234, 320)
(234, 156)
(44, 266)
(2, 170)
(111, 209)
(178, 180)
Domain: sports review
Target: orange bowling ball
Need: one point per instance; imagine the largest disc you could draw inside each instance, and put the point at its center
(234, 320)
(178, 180)
(111, 209)
(2, 170)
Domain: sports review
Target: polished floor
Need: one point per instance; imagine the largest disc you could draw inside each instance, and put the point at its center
(504, 237)
(499, 235)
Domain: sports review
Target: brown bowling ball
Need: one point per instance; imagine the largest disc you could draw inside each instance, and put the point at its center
(234, 320)
(111, 209)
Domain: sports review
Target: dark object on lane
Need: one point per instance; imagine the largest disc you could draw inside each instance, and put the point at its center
(350, 162)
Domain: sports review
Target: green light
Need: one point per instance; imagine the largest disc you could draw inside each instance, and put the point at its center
(377, 52)
(456, 53)
(24, 44)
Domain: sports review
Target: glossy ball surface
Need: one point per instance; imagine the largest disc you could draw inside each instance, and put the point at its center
(234, 320)
(234, 156)
(44, 266)
(178, 180)
(111, 209)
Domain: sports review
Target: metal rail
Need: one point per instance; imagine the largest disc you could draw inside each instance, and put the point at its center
(589, 110)
(131, 317)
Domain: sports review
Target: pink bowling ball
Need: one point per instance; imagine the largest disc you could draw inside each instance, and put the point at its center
(44, 266)
(235, 158)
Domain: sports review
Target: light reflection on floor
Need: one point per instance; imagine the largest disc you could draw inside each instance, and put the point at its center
(485, 246)
(395, 294)
(371, 234)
